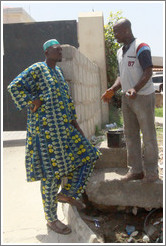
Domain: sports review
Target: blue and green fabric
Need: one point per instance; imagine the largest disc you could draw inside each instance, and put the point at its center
(54, 147)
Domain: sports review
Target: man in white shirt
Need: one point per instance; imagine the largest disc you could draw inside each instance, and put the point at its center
(138, 103)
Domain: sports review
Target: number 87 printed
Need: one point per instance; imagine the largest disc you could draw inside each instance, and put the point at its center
(131, 63)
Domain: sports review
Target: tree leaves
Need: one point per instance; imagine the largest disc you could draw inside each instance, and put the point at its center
(111, 47)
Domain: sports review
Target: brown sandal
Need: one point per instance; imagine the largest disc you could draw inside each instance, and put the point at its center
(65, 199)
(150, 178)
(59, 227)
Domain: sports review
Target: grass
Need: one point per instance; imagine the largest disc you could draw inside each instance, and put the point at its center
(115, 115)
(159, 112)
(159, 132)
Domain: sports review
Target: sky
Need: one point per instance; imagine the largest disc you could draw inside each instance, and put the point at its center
(147, 17)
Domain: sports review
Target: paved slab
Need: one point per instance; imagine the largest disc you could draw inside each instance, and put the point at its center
(111, 157)
(23, 216)
(13, 135)
(105, 190)
(82, 231)
(14, 138)
(159, 120)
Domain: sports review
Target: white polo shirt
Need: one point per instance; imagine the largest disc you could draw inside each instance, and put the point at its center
(130, 68)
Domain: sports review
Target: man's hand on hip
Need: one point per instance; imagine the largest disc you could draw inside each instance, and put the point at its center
(37, 103)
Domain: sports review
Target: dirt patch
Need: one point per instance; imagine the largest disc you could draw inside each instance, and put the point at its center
(112, 227)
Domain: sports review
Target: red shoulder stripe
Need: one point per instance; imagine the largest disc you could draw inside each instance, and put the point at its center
(140, 46)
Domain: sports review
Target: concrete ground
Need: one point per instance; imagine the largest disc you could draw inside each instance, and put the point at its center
(23, 218)
(22, 211)
(159, 120)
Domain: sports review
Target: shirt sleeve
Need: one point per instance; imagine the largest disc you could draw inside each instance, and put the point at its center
(144, 56)
(23, 88)
(71, 106)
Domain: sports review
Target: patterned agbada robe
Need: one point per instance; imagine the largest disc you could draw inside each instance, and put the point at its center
(54, 148)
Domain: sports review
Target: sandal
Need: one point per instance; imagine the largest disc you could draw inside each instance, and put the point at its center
(150, 178)
(65, 199)
(59, 227)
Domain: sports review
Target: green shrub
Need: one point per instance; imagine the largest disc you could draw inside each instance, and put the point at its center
(111, 47)
(115, 115)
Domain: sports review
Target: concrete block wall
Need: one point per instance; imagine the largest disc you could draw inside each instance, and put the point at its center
(83, 77)
(92, 44)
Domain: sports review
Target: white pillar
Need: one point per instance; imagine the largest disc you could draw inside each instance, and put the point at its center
(92, 45)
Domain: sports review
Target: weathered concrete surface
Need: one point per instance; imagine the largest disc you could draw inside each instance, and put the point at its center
(23, 220)
(91, 25)
(83, 233)
(83, 77)
(23, 215)
(111, 157)
(159, 121)
(105, 190)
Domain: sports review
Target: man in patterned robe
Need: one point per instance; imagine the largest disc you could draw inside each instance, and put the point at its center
(55, 145)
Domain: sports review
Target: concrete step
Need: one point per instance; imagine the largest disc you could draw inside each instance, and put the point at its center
(82, 232)
(105, 190)
(111, 157)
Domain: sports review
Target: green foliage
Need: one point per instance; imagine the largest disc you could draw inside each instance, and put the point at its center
(116, 100)
(159, 131)
(115, 115)
(111, 47)
(159, 112)
(97, 130)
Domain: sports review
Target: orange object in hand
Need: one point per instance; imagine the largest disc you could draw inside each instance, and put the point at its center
(110, 93)
(107, 95)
